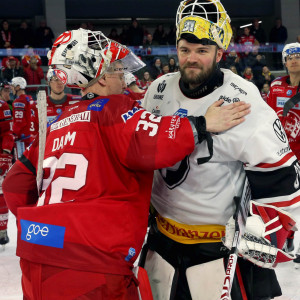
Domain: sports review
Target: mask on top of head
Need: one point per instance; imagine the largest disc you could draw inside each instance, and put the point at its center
(206, 20)
(84, 56)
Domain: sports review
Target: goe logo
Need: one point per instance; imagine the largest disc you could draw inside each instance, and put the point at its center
(35, 230)
(42, 234)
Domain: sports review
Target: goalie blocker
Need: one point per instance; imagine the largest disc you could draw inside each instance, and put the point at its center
(266, 234)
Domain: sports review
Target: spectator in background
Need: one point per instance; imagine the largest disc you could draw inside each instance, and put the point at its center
(172, 65)
(12, 69)
(24, 36)
(232, 59)
(264, 91)
(247, 41)
(248, 75)
(256, 61)
(124, 35)
(26, 59)
(114, 35)
(156, 68)
(33, 75)
(258, 31)
(149, 43)
(171, 36)
(165, 70)
(234, 70)
(298, 38)
(44, 36)
(278, 35)
(159, 35)
(135, 34)
(7, 38)
(146, 80)
(264, 77)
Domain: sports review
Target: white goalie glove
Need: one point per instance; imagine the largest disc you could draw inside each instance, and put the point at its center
(265, 235)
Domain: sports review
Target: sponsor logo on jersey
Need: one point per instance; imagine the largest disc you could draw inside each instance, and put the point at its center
(59, 111)
(278, 90)
(277, 82)
(161, 87)
(98, 104)
(228, 100)
(283, 151)
(158, 97)
(280, 101)
(238, 88)
(279, 131)
(181, 112)
(80, 117)
(289, 92)
(126, 93)
(128, 115)
(174, 125)
(7, 113)
(131, 254)
(42, 234)
(18, 104)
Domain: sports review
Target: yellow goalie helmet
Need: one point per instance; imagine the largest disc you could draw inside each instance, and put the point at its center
(205, 19)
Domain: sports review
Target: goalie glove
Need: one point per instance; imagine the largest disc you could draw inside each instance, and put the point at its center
(266, 233)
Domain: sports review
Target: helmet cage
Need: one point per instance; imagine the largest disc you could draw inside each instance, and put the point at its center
(204, 19)
(89, 53)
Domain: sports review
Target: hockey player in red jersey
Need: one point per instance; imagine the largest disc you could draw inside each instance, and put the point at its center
(25, 124)
(79, 238)
(282, 92)
(6, 146)
(284, 98)
(132, 90)
(194, 199)
(58, 101)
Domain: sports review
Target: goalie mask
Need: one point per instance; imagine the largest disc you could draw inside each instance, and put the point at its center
(206, 20)
(290, 49)
(81, 57)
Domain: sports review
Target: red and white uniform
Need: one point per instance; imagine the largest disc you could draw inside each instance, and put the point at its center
(6, 143)
(99, 159)
(247, 41)
(25, 118)
(280, 92)
(55, 108)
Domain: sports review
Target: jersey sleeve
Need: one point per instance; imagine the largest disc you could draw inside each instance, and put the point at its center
(148, 142)
(272, 168)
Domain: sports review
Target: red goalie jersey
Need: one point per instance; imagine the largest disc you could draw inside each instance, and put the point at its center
(98, 168)
(280, 92)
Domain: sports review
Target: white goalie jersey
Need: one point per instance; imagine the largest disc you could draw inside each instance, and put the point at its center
(194, 194)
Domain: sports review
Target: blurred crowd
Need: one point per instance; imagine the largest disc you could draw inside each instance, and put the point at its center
(243, 55)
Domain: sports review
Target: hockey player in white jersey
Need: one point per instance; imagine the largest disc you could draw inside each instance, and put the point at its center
(194, 200)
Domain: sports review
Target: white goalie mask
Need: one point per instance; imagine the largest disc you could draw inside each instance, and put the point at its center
(80, 57)
(205, 19)
(290, 49)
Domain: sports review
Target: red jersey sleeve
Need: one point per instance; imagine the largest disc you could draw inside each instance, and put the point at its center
(147, 142)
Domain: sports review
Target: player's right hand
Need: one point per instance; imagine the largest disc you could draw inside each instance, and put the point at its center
(220, 118)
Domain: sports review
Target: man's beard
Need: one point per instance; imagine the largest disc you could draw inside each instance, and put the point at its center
(201, 77)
